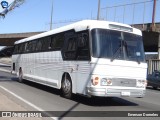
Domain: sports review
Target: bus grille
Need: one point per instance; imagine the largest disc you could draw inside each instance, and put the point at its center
(124, 82)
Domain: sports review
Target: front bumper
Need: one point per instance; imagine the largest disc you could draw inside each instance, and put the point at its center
(115, 92)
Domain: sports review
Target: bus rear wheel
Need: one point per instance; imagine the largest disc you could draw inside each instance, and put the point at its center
(66, 87)
(20, 75)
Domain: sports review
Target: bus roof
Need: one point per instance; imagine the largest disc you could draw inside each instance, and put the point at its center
(80, 26)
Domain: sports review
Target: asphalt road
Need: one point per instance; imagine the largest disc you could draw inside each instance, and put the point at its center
(35, 97)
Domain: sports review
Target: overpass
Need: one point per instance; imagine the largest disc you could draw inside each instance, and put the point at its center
(151, 36)
(9, 39)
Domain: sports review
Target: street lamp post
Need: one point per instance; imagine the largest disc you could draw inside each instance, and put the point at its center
(51, 16)
(153, 15)
(98, 14)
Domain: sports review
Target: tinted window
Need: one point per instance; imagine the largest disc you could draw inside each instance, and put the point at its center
(46, 43)
(33, 46)
(57, 41)
(15, 49)
(25, 46)
(71, 44)
(39, 45)
(70, 52)
(21, 48)
(76, 46)
(28, 47)
(83, 46)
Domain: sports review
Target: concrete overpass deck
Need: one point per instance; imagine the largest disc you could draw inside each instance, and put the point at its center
(9, 39)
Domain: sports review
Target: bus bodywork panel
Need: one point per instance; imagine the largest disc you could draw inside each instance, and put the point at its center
(49, 71)
(123, 75)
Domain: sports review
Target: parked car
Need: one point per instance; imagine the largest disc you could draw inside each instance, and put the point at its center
(154, 79)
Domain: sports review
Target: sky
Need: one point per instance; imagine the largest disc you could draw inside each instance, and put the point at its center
(34, 15)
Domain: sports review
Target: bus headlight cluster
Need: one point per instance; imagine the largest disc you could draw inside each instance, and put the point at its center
(106, 82)
(95, 80)
(141, 83)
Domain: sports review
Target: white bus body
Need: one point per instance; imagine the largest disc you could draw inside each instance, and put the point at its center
(93, 58)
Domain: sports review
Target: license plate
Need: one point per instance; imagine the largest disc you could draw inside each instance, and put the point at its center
(125, 93)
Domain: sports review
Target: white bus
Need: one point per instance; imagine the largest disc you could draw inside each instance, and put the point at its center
(90, 57)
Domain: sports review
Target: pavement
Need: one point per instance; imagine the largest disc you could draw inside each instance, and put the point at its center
(6, 102)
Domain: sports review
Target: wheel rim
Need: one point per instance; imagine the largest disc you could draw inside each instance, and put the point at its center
(66, 86)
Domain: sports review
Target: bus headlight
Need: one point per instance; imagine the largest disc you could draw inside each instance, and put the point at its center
(95, 81)
(106, 82)
(141, 83)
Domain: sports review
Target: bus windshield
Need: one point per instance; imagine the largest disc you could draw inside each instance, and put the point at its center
(117, 45)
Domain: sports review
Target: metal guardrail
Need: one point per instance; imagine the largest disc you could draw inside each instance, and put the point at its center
(153, 64)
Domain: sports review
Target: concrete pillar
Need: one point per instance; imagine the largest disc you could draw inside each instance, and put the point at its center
(159, 46)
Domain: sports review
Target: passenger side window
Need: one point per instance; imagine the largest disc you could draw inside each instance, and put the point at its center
(57, 41)
(39, 45)
(28, 47)
(25, 47)
(76, 46)
(70, 52)
(46, 43)
(83, 46)
(21, 48)
(33, 46)
(15, 49)
(70, 46)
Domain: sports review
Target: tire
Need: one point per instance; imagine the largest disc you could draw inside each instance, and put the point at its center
(66, 87)
(155, 88)
(20, 75)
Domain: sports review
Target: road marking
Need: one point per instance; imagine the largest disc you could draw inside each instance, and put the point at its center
(27, 102)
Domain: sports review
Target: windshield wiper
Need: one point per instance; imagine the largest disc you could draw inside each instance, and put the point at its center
(116, 53)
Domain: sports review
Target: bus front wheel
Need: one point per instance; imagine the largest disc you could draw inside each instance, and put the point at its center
(66, 87)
